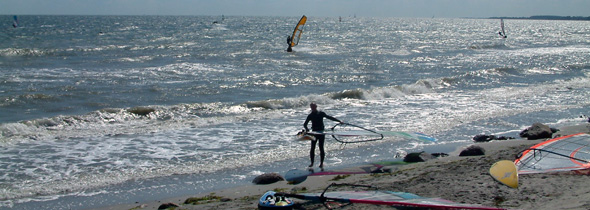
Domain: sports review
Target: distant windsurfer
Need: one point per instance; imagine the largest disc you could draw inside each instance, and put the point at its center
(289, 43)
(15, 22)
(317, 124)
(502, 35)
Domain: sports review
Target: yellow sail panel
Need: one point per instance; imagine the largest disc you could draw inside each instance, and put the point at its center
(297, 32)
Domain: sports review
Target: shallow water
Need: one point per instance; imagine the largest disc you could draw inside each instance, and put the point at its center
(223, 101)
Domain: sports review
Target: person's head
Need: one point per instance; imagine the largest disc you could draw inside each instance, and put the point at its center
(313, 106)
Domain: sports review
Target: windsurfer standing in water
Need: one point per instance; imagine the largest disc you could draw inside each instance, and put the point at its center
(317, 124)
(289, 43)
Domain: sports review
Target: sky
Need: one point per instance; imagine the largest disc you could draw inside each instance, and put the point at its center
(321, 8)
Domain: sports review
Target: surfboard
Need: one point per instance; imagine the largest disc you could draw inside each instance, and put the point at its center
(504, 171)
(304, 136)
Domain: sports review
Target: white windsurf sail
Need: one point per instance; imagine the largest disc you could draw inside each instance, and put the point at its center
(565, 153)
(298, 31)
(503, 32)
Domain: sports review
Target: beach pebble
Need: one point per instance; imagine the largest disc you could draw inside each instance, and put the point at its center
(268, 178)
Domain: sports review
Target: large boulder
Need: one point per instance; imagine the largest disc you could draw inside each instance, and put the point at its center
(268, 178)
(537, 131)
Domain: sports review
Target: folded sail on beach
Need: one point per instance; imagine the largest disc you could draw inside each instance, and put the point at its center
(565, 153)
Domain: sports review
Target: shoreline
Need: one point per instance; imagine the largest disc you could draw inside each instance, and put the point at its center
(454, 178)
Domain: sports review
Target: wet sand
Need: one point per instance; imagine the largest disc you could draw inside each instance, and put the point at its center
(454, 178)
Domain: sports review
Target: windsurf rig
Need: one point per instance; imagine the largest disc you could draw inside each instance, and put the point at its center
(566, 153)
(339, 199)
(296, 36)
(346, 133)
(349, 133)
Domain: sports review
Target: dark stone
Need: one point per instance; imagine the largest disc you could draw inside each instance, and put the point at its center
(417, 157)
(472, 151)
(487, 138)
(537, 131)
(168, 205)
(439, 154)
(483, 138)
(268, 178)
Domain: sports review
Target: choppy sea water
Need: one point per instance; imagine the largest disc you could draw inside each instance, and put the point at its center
(100, 110)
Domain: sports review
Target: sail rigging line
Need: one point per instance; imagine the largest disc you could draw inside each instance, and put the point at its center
(548, 151)
(324, 199)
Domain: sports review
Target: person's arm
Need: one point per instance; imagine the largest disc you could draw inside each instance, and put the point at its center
(306, 122)
(332, 118)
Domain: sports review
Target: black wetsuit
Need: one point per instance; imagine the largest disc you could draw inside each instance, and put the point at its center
(317, 124)
(289, 43)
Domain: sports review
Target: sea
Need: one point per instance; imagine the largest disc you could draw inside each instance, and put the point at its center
(105, 110)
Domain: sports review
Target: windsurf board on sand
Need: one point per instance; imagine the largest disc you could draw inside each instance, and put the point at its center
(388, 198)
(504, 171)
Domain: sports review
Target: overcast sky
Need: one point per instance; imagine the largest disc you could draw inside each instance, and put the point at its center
(326, 8)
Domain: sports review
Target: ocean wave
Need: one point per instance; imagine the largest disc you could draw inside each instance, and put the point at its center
(38, 52)
(378, 93)
(113, 121)
(578, 66)
(22, 99)
(11, 52)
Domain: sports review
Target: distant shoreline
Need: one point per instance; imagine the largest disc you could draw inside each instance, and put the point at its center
(545, 17)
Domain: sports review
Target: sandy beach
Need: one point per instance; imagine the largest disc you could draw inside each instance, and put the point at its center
(454, 178)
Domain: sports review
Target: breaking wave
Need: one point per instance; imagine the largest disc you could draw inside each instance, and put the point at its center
(142, 119)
